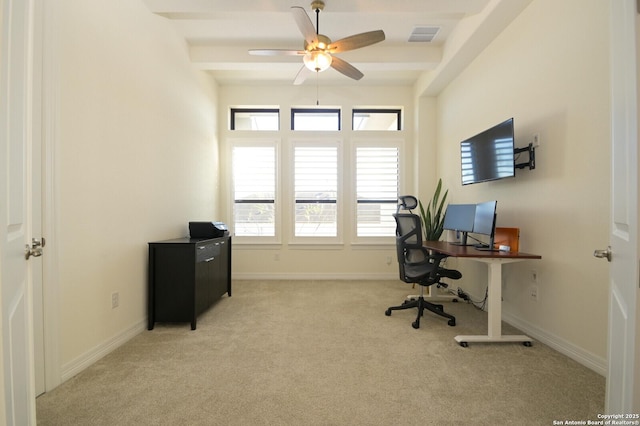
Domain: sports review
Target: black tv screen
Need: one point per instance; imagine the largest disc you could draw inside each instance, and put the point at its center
(489, 154)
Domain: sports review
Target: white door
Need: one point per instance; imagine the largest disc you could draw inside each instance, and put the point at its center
(624, 228)
(35, 184)
(15, 147)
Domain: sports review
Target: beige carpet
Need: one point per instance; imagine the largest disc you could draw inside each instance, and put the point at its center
(324, 353)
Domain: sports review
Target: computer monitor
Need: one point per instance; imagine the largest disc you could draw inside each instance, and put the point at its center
(460, 218)
(485, 220)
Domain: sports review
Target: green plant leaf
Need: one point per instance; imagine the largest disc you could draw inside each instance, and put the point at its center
(433, 217)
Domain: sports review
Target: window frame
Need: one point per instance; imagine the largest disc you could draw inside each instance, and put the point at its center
(308, 240)
(397, 111)
(232, 117)
(394, 142)
(276, 239)
(294, 111)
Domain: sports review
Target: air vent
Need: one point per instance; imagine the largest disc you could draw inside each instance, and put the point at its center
(423, 34)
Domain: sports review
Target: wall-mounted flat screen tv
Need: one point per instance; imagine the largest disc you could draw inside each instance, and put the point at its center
(489, 154)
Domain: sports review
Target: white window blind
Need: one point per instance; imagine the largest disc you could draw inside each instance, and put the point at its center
(315, 191)
(377, 182)
(254, 186)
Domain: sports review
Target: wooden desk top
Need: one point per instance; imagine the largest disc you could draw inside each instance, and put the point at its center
(455, 250)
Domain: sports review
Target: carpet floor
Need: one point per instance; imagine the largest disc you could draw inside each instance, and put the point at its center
(324, 353)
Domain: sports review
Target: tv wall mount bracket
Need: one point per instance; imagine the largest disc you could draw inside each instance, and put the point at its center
(532, 157)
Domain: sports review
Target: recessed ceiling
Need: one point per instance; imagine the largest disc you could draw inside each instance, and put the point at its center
(220, 33)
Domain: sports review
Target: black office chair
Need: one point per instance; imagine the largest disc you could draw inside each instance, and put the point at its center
(416, 264)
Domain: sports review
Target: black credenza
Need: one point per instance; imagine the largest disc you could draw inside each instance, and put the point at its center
(186, 276)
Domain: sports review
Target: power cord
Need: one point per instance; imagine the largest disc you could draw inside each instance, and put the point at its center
(462, 295)
(479, 304)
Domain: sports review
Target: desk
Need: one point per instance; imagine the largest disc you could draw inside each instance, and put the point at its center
(494, 261)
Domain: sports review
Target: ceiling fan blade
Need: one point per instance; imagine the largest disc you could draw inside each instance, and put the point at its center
(346, 68)
(302, 76)
(275, 52)
(304, 24)
(356, 41)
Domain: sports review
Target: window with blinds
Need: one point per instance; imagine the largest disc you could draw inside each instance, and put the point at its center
(254, 189)
(316, 190)
(377, 183)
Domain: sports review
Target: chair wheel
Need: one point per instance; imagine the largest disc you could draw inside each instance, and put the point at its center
(527, 344)
(388, 312)
(454, 300)
(452, 322)
(415, 325)
(464, 344)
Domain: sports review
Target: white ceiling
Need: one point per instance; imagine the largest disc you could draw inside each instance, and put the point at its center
(220, 33)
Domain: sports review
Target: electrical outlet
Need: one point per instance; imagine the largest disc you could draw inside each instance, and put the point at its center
(536, 140)
(115, 300)
(388, 260)
(533, 292)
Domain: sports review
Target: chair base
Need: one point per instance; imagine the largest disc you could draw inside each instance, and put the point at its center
(422, 304)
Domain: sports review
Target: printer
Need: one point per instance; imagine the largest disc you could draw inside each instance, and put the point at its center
(207, 229)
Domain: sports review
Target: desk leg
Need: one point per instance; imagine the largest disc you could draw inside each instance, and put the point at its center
(495, 300)
(494, 326)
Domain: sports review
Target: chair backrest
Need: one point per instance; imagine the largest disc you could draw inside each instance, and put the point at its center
(409, 240)
(406, 202)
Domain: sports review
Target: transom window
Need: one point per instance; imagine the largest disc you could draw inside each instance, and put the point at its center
(376, 119)
(315, 119)
(255, 119)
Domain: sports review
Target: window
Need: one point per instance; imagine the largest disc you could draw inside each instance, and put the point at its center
(330, 194)
(255, 119)
(254, 190)
(316, 190)
(377, 183)
(376, 119)
(315, 119)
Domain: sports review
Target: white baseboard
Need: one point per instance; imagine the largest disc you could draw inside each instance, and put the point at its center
(87, 359)
(589, 360)
(314, 276)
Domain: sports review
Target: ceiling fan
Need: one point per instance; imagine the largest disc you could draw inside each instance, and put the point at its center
(319, 50)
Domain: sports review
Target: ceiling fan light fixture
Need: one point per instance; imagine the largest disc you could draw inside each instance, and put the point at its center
(317, 60)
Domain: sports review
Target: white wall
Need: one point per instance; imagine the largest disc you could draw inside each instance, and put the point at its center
(345, 261)
(548, 70)
(135, 160)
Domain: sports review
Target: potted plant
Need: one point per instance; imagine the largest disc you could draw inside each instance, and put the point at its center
(433, 217)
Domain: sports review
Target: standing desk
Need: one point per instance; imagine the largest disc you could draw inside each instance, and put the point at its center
(494, 261)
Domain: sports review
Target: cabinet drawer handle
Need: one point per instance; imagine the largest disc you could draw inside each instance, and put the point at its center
(209, 259)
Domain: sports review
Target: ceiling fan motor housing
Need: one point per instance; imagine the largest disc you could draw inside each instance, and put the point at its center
(322, 43)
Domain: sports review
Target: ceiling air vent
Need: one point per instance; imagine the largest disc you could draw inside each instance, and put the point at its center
(423, 34)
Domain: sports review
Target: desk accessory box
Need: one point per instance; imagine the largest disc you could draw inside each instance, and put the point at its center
(509, 237)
